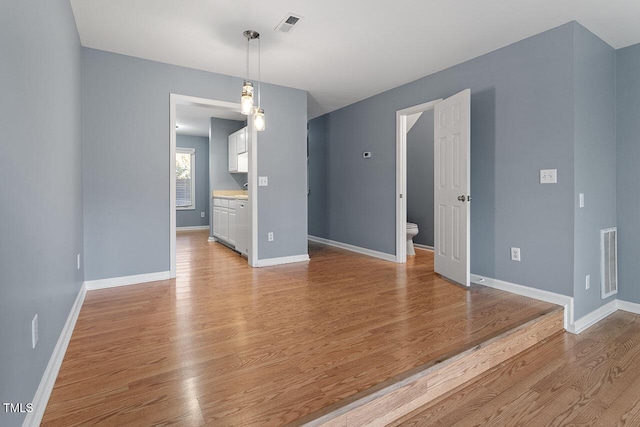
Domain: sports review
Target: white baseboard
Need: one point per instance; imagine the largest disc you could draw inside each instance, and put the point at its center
(113, 282)
(594, 317)
(550, 297)
(631, 307)
(194, 227)
(48, 380)
(283, 260)
(352, 248)
(426, 247)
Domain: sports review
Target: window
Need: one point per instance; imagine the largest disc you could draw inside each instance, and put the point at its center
(185, 178)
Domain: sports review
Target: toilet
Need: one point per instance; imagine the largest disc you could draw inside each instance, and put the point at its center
(412, 231)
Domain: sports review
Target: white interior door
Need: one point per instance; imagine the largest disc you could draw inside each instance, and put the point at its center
(451, 187)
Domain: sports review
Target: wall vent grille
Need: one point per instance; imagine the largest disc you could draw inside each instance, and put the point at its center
(609, 261)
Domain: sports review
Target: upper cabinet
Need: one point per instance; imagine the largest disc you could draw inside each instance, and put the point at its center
(238, 155)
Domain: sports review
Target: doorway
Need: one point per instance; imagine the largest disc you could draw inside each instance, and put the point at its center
(225, 109)
(405, 119)
(451, 183)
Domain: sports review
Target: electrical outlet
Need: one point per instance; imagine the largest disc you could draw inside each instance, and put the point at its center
(548, 176)
(270, 236)
(515, 254)
(587, 281)
(201, 214)
(78, 261)
(34, 331)
(263, 181)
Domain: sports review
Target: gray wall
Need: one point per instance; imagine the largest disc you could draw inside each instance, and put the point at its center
(40, 182)
(282, 158)
(628, 171)
(191, 217)
(219, 132)
(594, 161)
(521, 122)
(125, 103)
(318, 220)
(420, 177)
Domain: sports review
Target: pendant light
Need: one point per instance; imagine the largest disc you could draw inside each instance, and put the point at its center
(247, 100)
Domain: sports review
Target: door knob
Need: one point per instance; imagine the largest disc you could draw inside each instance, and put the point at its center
(461, 198)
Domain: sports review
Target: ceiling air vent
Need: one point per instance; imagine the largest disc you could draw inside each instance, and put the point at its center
(287, 24)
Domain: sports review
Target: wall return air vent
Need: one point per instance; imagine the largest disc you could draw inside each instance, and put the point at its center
(287, 24)
(609, 261)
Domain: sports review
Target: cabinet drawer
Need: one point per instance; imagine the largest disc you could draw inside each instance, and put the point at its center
(224, 203)
(232, 203)
(217, 202)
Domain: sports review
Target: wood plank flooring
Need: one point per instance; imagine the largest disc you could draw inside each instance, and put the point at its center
(225, 344)
(591, 379)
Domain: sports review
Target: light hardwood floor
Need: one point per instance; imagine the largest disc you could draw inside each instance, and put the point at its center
(591, 379)
(225, 344)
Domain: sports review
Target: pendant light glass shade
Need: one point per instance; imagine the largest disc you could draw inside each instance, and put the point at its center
(259, 120)
(246, 101)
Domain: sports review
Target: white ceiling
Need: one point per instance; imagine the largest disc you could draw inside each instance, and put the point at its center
(343, 50)
(194, 120)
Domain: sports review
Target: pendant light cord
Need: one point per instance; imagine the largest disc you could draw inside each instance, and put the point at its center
(248, 58)
(259, 52)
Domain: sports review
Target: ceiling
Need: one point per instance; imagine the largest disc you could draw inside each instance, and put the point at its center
(194, 120)
(342, 51)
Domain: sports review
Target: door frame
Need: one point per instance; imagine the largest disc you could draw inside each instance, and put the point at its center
(252, 177)
(401, 175)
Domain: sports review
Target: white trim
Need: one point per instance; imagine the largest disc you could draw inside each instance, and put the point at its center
(193, 227)
(175, 99)
(631, 307)
(594, 317)
(113, 282)
(352, 248)
(252, 179)
(550, 297)
(283, 260)
(50, 374)
(420, 246)
(401, 176)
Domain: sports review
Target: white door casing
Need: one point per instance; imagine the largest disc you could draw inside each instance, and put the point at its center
(452, 128)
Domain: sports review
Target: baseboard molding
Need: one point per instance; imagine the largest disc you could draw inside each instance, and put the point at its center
(425, 247)
(550, 297)
(48, 380)
(113, 282)
(352, 248)
(594, 317)
(194, 227)
(631, 307)
(283, 260)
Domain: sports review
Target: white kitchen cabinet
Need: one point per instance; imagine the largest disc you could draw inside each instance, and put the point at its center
(238, 155)
(233, 156)
(232, 227)
(241, 140)
(224, 224)
(227, 225)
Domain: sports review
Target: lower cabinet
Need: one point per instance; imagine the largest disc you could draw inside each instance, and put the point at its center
(225, 226)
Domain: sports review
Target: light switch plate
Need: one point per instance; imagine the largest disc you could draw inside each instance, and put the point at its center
(263, 181)
(582, 200)
(548, 176)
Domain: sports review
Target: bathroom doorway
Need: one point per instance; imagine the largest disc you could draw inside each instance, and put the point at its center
(450, 184)
(406, 119)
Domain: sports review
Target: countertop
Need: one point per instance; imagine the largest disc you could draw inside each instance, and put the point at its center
(231, 194)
